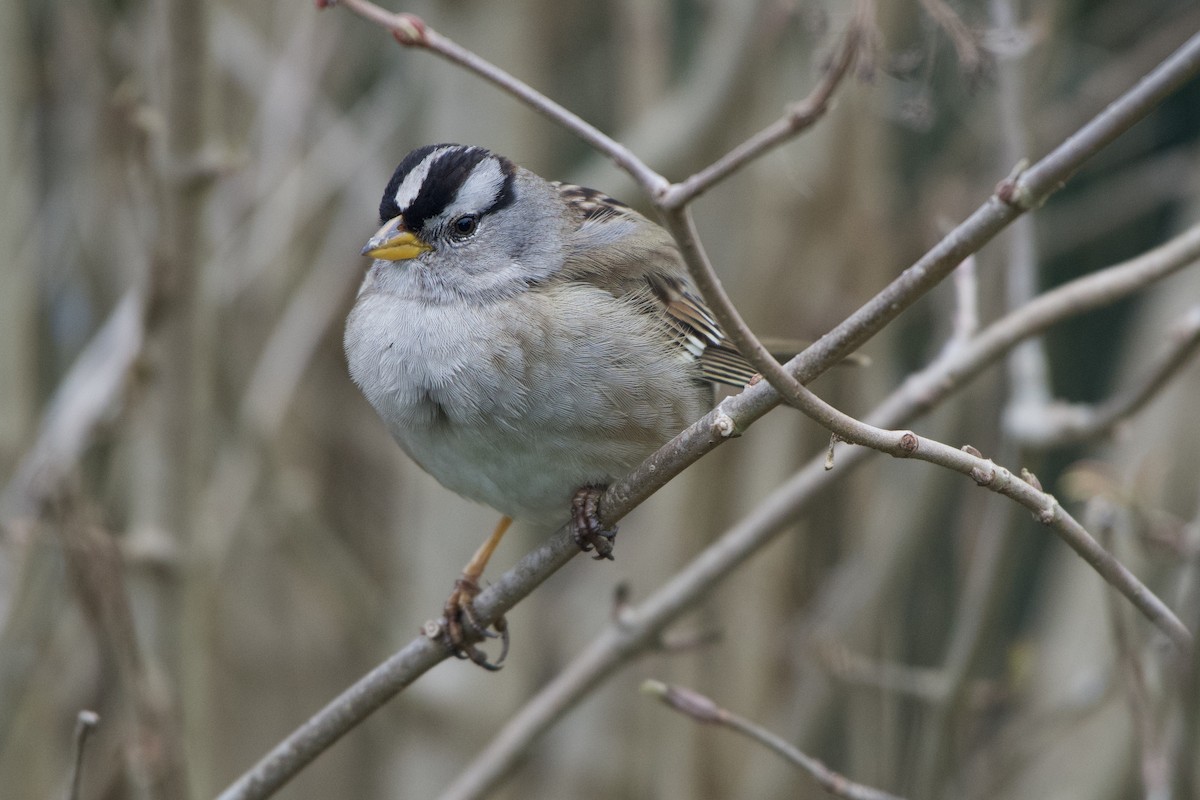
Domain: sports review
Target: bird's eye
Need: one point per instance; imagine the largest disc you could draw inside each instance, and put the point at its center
(465, 225)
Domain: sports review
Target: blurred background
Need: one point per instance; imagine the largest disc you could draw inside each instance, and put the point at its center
(206, 533)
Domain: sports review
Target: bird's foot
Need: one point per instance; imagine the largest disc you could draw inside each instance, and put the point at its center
(462, 630)
(586, 528)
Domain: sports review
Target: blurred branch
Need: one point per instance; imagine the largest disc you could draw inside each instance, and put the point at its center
(965, 41)
(966, 303)
(1059, 424)
(927, 684)
(89, 394)
(151, 735)
(1143, 188)
(164, 431)
(85, 723)
(1155, 766)
(1028, 369)
(991, 552)
(1187, 736)
(703, 709)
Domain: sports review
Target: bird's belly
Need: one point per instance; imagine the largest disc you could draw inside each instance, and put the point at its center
(514, 408)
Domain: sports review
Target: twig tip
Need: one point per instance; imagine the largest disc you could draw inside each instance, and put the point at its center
(694, 704)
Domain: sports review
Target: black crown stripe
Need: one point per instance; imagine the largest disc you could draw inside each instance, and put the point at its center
(442, 183)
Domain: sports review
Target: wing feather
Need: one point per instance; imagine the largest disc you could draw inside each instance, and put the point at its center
(648, 262)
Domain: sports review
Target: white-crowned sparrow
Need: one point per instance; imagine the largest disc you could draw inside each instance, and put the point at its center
(526, 342)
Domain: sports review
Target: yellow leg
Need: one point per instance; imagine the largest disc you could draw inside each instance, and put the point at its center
(475, 567)
(459, 610)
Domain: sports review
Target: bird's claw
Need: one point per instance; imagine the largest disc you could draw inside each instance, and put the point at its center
(463, 630)
(586, 527)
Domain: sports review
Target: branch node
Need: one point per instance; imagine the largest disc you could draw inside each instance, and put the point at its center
(909, 442)
(432, 629)
(724, 425)
(1046, 515)
(984, 476)
(409, 30)
(1012, 191)
(971, 451)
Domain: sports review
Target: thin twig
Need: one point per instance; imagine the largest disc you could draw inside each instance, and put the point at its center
(800, 116)
(703, 709)
(85, 723)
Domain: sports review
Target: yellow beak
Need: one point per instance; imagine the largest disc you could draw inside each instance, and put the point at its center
(394, 242)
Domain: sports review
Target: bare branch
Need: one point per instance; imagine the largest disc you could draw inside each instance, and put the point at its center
(703, 709)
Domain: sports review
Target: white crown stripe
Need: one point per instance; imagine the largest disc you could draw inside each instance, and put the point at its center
(408, 189)
(481, 187)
